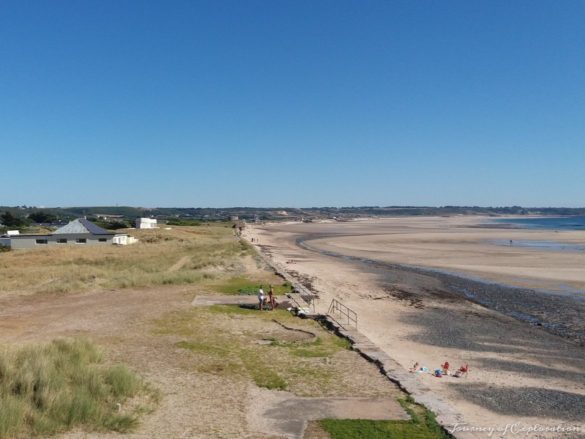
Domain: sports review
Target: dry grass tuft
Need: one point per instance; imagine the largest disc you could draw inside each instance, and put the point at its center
(45, 389)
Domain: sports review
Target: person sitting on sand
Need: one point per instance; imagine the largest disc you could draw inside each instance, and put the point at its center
(261, 298)
(462, 371)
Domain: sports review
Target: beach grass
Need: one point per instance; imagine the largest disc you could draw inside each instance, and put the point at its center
(182, 255)
(422, 425)
(57, 386)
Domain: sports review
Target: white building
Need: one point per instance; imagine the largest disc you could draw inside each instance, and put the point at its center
(146, 223)
(124, 240)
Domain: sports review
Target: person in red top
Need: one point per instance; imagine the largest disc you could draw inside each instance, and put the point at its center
(462, 371)
(271, 298)
(445, 368)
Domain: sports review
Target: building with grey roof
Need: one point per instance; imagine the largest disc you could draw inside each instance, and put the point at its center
(77, 232)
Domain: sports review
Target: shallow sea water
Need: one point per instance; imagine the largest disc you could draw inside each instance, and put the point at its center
(540, 245)
(546, 222)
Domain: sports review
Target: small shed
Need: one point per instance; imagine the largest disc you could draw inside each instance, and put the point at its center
(123, 239)
(146, 223)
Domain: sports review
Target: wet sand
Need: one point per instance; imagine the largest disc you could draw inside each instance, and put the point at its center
(460, 244)
(520, 372)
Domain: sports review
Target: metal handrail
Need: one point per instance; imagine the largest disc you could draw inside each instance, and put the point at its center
(347, 313)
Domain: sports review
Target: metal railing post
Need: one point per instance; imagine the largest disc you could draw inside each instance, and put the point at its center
(338, 308)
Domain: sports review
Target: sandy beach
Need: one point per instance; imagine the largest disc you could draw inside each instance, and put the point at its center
(428, 290)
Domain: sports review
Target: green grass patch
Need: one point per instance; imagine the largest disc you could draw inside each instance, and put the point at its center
(215, 358)
(203, 347)
(422, 425)
(261, 373)
(326, 346)
(50, 388)
(232, 309)
(315, 348)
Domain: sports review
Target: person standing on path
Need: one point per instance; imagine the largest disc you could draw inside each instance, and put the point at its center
(271, 298)
(261, 298)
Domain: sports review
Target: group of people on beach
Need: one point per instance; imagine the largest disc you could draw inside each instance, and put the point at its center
(444, 370)
(262, 300)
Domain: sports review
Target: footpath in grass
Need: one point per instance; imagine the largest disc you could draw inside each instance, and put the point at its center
(54, 387)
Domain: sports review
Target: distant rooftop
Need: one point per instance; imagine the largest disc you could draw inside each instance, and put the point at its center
(81, 225)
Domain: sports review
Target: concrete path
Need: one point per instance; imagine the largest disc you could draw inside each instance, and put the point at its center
(283, 414)
(224, 300)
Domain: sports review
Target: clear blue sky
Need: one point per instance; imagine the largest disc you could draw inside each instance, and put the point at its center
(292, 103)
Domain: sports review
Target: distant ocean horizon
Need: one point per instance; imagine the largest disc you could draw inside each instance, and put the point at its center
(547, 222)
